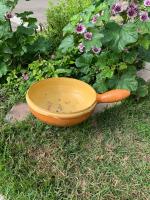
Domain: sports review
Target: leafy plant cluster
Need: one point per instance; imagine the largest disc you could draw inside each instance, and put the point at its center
(110, 41)
(23, 45)
(58, 16)
(20, 79)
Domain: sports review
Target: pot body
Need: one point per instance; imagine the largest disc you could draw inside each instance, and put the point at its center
(66, 101)
(62, 122)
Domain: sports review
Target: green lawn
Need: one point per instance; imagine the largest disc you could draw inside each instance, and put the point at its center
(105, 158)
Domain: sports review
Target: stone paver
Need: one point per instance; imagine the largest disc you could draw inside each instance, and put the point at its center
(39, 8)
(147, 66)
(18, 112)
(145, 74)
(2, 197)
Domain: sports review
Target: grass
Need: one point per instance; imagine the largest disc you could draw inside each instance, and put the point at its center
(105, 158)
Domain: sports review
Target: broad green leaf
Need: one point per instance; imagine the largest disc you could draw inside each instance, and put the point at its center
(68, 29)
(84, 60)
(106, 72)
(130, 57)
(144, 54)
(142, 91)
(7, 50)
(24, 30)
(145, 41)
(3, 10)
(24, 14)
(117, 37)
(107, 58)
(128, 82)
(3, 69)
(100, 87)
(112, 82)
(4, 29)
(122, 66)
(143, 27)
(66, 44)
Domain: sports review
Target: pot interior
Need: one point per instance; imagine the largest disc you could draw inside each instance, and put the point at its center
(62, 95)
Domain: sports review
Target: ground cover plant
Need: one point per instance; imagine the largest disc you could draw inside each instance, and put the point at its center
(105, 158)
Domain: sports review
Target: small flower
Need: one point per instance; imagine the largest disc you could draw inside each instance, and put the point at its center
(116, 8)
(94, 19)
(88, 35)
(146, 2)
(81, 47)
(132, 10)
(96, 50)
(133, 6)
(80, 29)
(9, 15)
(25, 76)
(144, 16)
(132, 13)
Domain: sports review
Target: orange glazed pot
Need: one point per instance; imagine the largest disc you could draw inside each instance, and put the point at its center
(67, 101)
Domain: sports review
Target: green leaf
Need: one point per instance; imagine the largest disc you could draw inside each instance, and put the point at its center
(107, 58)
(122, 66)
(106, 72)
(84, 60)
(68, 29)
(142, 91)
(3, 10)
(4, 29)
(143, 27)
(25, 31)
(128, 82)
(67, 44)
(130, 57)
(145, 41)
(24, 14)
(112, 82)
(144, 54)
(7, 50)
(3, 69)
(63, 71)
(95, 42)
(100, 87)
(117, 37)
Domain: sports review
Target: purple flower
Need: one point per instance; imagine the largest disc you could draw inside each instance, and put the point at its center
(116, 8)
(144, 16)
(146, 2)
(132, 13)
(88, 35)
(9, 15)
(96, 50)
(133, 6)
(132, 10)
(80, 29)
(25, 76)
(94, 19)
(81, 47)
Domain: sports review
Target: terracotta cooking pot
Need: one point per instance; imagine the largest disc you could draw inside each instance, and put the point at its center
(67, 101)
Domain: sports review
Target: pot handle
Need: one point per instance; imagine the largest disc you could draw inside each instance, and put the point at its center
(113, 96)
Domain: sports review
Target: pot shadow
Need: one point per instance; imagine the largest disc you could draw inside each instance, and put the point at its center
(102, 125)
